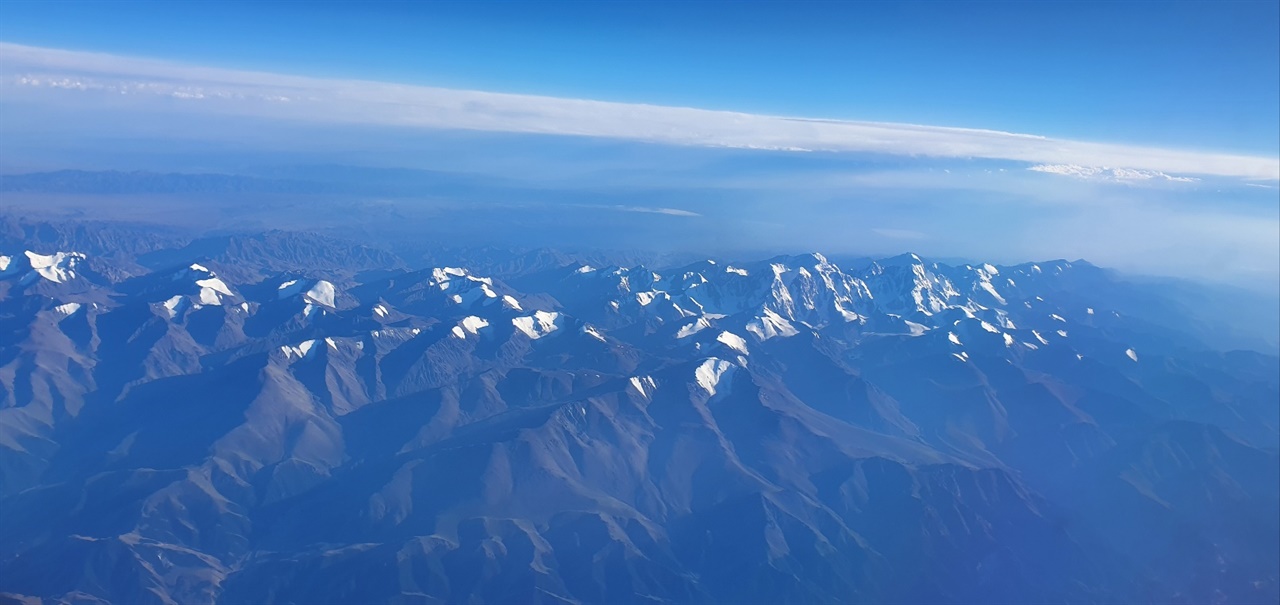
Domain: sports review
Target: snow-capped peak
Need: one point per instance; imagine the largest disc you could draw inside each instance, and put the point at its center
(59, 267)
(540, 324)
(733, 341)
(209, 288)
(711, 372)
(317, 292)
(299, 351)
(469, 325)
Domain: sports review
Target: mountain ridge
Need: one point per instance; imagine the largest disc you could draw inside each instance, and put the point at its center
(253, 428)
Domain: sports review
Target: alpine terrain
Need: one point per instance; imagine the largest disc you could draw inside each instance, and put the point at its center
(290, 418)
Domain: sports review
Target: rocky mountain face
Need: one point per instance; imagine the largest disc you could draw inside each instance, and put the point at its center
(284, 419)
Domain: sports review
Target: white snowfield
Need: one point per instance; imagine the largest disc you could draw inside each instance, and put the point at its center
(174, 305)
(322, 293)
(319, 292)
(770, 325)
(59, 267)
(591, 331)
(733, 341)
(645, 385)
(298, 351)
(711, 372)
(66, 310)
(694, 327)
(212, 290)
(538, 325)
(470, 324)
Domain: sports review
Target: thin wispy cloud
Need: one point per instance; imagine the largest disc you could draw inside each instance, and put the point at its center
(648, 210)
(41, 74)
(1107, 173)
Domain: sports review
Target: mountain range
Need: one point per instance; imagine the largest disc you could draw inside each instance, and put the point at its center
(289, 417)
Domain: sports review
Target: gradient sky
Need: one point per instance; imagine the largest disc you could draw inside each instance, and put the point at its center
(1198, 75)
(1138, 135)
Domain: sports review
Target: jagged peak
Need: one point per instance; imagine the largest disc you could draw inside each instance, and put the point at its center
(313, 291)
(58, 267)
(906, 259)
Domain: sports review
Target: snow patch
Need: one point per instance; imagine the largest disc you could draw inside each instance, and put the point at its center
(66, 309)
(58, 267)
(644, 385)
(1132, 354)
(986, 285)
(540, 324)
(915, 329)
(470, 324)
(287, 289)
(769, 325)
(733, 341)
(711, 372)
(321, 293)
(173, 306)
(212, 290)
(697, 326)
(300, 350)
(442, 275)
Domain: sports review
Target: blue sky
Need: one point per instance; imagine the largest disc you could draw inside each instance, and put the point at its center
(1194, 75)
(1137, 135)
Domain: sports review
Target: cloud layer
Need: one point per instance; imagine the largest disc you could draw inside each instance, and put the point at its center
(43, 75)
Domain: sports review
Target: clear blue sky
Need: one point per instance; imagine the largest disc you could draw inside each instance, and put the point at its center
(1196, 75)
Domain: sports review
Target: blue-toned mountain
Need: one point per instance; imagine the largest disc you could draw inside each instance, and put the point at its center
(251, 419)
